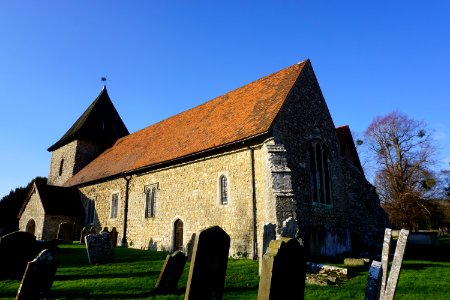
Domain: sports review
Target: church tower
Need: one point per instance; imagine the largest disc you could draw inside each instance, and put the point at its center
(95, 131)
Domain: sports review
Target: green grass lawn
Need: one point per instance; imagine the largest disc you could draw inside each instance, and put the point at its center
(425, 275)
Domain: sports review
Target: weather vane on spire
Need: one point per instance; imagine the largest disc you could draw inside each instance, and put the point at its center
(104, 79)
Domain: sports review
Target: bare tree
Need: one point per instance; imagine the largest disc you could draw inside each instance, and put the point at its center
(403, 150)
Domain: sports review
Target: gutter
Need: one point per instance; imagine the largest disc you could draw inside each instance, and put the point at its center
(255, 233)
(124, 242)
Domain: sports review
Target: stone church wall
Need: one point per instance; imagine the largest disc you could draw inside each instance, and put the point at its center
(33, 211)
(189, 192)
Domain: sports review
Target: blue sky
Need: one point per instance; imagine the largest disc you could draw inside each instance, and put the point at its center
(162, 57)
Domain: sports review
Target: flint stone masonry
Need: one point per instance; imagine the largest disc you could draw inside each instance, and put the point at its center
(209, 265)
(38, 277)
(283, 271)
(99, 248)
(171, 273)
(16, 250)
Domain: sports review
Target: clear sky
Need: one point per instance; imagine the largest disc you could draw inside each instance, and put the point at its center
(163, 57)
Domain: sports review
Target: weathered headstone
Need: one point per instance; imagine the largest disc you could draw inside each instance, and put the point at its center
(171, 273)
(374, 281)
(16, 250)
(209, 265)
(114, 235)
(86, 231)
(190, 247)
(65, 232)
(377, 287)
(385, 257)
(99, 248)
(290, 228)
(396, 266)
(38, 277)
(269, 234)
(283, 271)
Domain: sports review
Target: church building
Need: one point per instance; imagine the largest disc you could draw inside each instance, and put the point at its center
(267, 152)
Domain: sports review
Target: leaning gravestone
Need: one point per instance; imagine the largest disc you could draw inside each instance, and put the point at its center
(209, 265)
(290, 228)
(171, 272)
(114, 235)
(16, 250)
(283, 271)
(269, 234)
(65, 232)
(379, 285)
(86, 231)
(38, 277)
(99, 248)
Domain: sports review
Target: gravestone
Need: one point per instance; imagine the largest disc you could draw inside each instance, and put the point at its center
(269, 234)
(38, 277)
(283, 271)
(387, 284)
(114, 235)
(190, 247)
(290, 228)
(396, 266)
(16, 250)
(374, 281)
(65, 232)
(99, 248)
(209, 265)
(171, 272)
(86, 231)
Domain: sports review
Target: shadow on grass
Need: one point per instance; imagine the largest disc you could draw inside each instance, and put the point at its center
(76, 294)
(103, 275)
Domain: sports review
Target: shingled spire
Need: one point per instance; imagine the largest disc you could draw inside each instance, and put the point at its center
(100, 123)
(95, 131)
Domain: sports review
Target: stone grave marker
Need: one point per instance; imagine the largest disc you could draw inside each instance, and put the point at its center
(396, 266)
(387, 284)
(283, 271)
(209, 265)
(374, 281)
(171, 272)
(99, 248)
(114, 235)
(86, 231)
(65, 232)
(16, 250)
(38, 277)
(269, 234)
(290, 228)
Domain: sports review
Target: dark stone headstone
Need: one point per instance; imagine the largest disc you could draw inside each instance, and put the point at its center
(373, 285)
(38, 277)
(86, 231)
(283, 271)
(290, 228)
(209, 265)
(171, 273)
(65, 232)
(114, 235)
(16, 250)
(99, 248)
(269, 234)
(190, 247)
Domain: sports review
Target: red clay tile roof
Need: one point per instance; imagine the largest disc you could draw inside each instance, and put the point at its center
(238, 115)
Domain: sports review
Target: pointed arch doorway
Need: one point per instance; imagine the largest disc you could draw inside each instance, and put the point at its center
(31, 226)
(178, 235)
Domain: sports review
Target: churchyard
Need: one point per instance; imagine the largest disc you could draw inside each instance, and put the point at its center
(133, 274)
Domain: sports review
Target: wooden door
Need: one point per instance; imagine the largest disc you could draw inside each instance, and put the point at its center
(178, 238)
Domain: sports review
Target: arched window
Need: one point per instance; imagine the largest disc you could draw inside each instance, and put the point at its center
(223, 189)
(320, 174)
(114, 205)
(61, 166)
(90, 212)
(150, 201)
